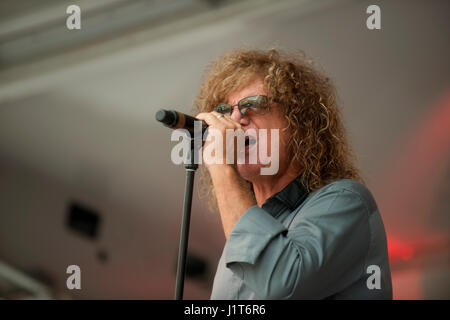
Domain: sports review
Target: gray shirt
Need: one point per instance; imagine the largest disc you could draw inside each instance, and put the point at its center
(330, 243)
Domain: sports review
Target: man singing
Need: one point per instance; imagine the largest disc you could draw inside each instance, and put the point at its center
(310, 230)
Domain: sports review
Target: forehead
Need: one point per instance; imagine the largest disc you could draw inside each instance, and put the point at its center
(253, 88)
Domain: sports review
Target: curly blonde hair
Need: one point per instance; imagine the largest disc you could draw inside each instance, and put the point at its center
(319, 143)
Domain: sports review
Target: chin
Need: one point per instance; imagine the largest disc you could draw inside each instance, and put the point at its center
(249, 171)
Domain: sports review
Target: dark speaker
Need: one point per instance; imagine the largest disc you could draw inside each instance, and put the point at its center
(83, 220)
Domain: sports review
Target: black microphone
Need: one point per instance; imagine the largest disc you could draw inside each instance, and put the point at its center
(177, 120)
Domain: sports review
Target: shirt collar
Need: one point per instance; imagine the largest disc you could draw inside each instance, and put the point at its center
(289, 198)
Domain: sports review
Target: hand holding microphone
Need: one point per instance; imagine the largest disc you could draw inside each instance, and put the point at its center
(224, 149)
(215, 121)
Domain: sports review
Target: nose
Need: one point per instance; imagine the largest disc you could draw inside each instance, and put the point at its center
(238, 117)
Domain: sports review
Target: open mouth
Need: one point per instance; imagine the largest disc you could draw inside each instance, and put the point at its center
(249, 141)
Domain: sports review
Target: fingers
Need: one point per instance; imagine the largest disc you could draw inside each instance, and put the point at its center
(218, 120)
(218, 134)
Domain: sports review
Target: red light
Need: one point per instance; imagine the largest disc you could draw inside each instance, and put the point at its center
(399, 250)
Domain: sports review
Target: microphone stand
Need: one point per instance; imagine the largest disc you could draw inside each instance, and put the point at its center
(177, 120)
(190, 167)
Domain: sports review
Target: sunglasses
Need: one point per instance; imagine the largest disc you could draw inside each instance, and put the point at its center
(253, 105)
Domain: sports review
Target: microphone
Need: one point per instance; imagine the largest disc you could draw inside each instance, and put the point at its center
(177, 120)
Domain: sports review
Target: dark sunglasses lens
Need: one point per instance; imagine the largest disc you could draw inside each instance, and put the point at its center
(244, 110)
(223, 108)
(257, 104)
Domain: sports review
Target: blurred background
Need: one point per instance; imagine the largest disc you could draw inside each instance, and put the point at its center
(85, 172)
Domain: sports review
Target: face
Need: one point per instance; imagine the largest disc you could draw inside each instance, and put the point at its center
(273, 119)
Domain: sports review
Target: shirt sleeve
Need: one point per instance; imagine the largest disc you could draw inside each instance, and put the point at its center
(322, 253)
